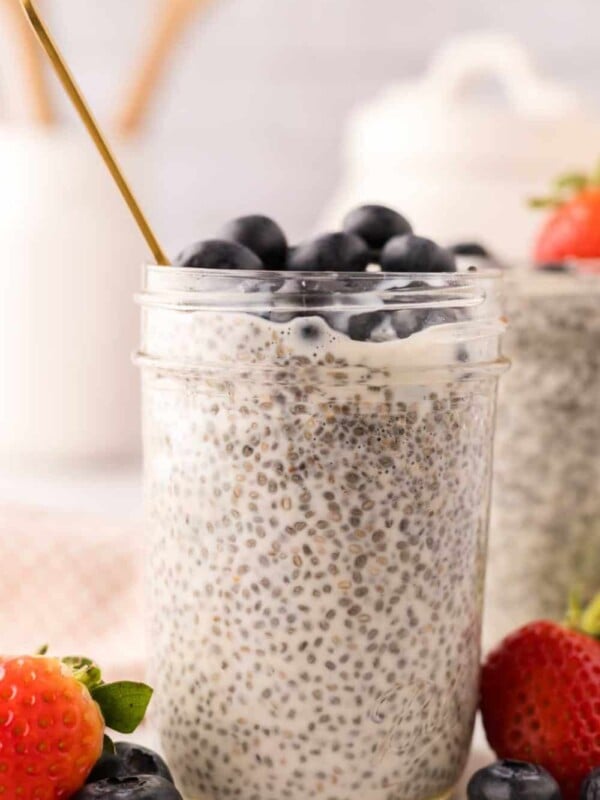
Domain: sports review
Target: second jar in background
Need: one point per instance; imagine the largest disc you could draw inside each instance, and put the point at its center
(545, 524)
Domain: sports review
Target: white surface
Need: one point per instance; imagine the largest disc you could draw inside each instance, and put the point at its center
(113, 492)
(252, 109)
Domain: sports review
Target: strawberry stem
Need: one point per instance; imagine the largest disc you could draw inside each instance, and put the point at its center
(565, 187)
(590, 620)
(122, 704)
(595, 176)
(574, 609)
(585, 619)
(84, 670)
(544, 202)
(571, 182)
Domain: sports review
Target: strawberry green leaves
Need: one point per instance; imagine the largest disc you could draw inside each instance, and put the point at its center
(565, 187)
(123, 704)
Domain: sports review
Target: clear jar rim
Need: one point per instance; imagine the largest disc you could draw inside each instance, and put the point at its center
(191, 289)
(446, 311)
(494, 272)
(540, 283)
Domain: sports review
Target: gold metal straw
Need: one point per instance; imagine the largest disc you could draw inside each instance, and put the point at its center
(90, 123)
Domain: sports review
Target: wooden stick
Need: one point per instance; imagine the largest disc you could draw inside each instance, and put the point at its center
(37, 92)
(166, 33)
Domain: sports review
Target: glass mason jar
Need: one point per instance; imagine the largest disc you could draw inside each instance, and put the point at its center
(317, 472)
(545, 523)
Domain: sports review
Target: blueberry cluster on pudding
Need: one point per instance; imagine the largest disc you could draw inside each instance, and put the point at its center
(372, 235)
(374, 239)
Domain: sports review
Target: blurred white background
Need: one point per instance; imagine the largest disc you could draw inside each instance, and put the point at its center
(251, 114)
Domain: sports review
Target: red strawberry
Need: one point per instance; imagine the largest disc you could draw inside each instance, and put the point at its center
(540, 700)
(572, 231)
(52, 725)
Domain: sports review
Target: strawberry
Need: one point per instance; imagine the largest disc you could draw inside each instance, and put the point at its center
(572, 231)
(53, 715)
(540, 697)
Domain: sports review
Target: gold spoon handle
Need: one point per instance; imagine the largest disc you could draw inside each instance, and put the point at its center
(93, 129)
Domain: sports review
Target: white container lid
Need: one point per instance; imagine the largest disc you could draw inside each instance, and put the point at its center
(540, 121)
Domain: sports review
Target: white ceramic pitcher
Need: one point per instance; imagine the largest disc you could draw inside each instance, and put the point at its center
(69, 267)
(458, 166)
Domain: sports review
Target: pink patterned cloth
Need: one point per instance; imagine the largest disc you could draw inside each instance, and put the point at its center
(74, 582)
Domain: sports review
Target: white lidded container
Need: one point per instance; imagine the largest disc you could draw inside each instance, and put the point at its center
(461, 166)
(68, 391)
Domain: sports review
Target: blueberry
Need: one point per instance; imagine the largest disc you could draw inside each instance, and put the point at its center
(332, 252)
(253, 285)
(374, 256)
(470, 249)
(109, 765)
(129, 760)
(443, 316)
(412, 253)
(139, 787)
(371, 326)
(376, 225)
(590, 788)
(409, 321)
(290, 256)
(262, 236)
(418, 285)
(218, 254)
(513, 780)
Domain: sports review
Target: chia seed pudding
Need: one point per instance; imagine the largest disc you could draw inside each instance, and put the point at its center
(318, 505)
(545, 529)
